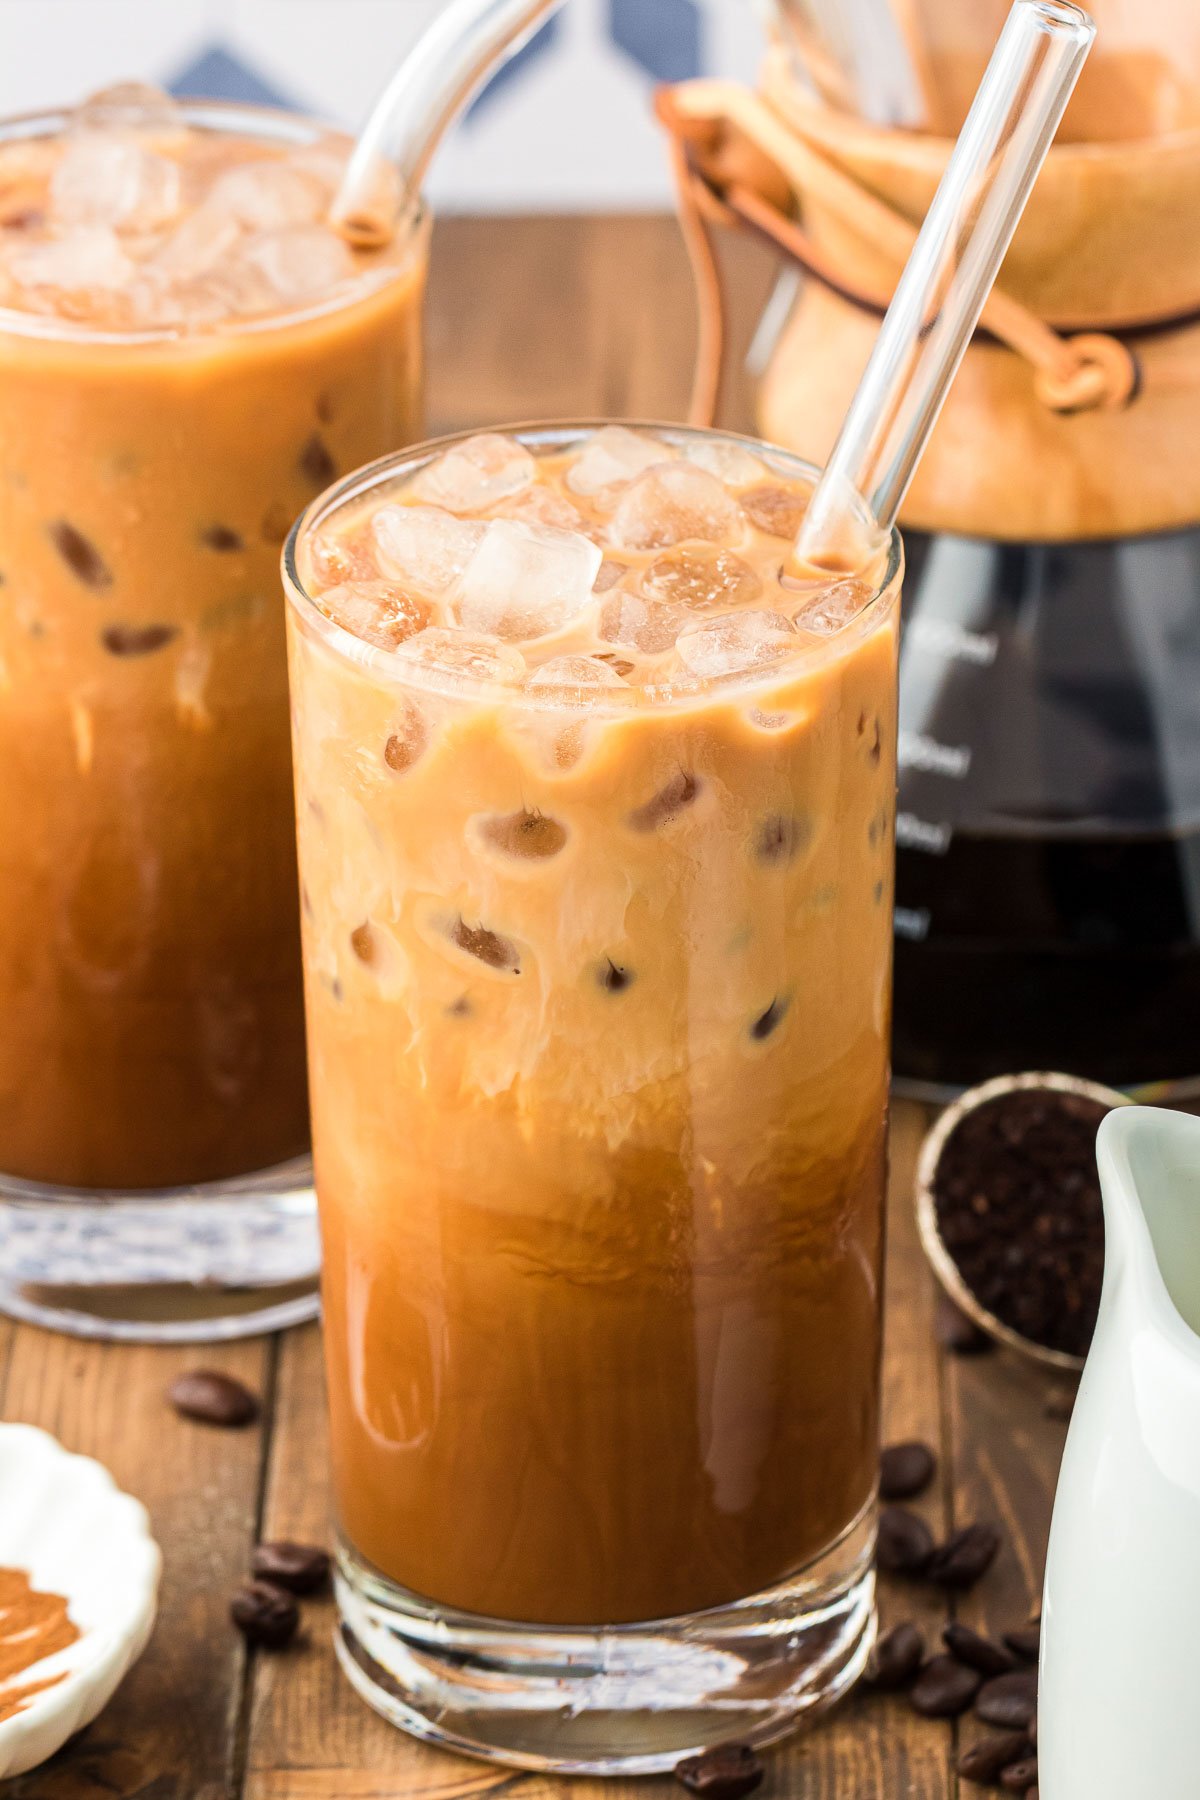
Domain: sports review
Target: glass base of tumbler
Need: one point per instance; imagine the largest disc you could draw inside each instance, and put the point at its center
(629, 1700)
(219, 1260)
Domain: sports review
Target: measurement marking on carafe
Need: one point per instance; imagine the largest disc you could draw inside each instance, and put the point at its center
(912, 922)
(913, 833)
(944, 638)
(916, 751)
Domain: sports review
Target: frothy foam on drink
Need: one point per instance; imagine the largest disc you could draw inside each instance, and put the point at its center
(629, 560)
(135, 217)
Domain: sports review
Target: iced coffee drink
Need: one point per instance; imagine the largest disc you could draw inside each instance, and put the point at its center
(595, 798)
(188, 353)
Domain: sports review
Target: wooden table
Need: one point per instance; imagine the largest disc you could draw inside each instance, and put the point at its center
(528, 319)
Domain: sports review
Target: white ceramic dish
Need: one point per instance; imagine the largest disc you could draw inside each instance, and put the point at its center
(64, 1521)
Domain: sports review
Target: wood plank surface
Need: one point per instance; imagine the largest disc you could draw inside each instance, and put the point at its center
(527, 318)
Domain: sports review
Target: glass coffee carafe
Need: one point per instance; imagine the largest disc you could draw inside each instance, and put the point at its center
(1048, 818)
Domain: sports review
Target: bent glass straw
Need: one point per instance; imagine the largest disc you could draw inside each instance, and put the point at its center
(438, 78)
(948, 277)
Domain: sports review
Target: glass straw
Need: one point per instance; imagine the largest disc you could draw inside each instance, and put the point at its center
(947, 279)
(438, 78)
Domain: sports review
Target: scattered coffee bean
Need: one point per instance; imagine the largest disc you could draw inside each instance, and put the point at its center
(976, 1651)
(984, 1760)
(1009, 1700)
(1025, 1641)
(897, 1656)
(315, 462)
(300, 1568)
(724, 1773)
(905, 1470)
(956, 1333)
(212, 1398)
(137, 640)
(264, 1614)
(80, 555)
(1019, 1777)
(679, 793)
(905, 1542)
(1017, 1198)
(944, 1688)
(964, 1557)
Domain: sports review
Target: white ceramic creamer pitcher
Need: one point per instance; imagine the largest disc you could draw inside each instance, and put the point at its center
(1119, 1698)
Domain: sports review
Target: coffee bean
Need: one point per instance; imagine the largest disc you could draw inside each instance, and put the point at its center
(1019, 1777)
(964, 1557)
(976, 1651)
(300, 1568)
(905, 1470)
(956, 1333)
(724, 1773)
(1009, 1700)
(984, 1760)
(212, 1398)
(905, 1542)
(1025, 1641)
(897, 1656)
(944, 1688)
(264, 1615)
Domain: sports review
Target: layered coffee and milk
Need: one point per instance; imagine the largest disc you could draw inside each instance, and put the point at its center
(188, 353)
(595, 800)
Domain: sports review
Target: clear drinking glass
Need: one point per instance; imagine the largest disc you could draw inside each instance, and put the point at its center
(598, 990)
(152, 1062)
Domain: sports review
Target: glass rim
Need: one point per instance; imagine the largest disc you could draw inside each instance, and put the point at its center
(271, 124)
(406, 672)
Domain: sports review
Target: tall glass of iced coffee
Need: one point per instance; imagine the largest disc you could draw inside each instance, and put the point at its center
(188, 353)
(595, 802)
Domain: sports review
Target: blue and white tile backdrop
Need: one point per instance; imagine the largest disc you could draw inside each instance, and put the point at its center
(566, 127)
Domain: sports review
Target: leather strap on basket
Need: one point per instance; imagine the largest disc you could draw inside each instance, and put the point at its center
(737, 162)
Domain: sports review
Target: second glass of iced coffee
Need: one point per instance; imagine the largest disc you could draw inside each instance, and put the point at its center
(595, 805)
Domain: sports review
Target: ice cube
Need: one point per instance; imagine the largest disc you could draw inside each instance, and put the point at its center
(203, 241)
(526, 580)
(729, 462)
(735, 642)
(87, 258)
(776, 510)
(476, 474)
(375, 611)
(832, 608)
(476, 657)
(423, 547)
(542, 506)
(129, 106)
(105, 180)
(671, 503)
(267, 196)
(704, 580)
(613, 455)
(650, 626)
(576, 679)
(299, 264)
